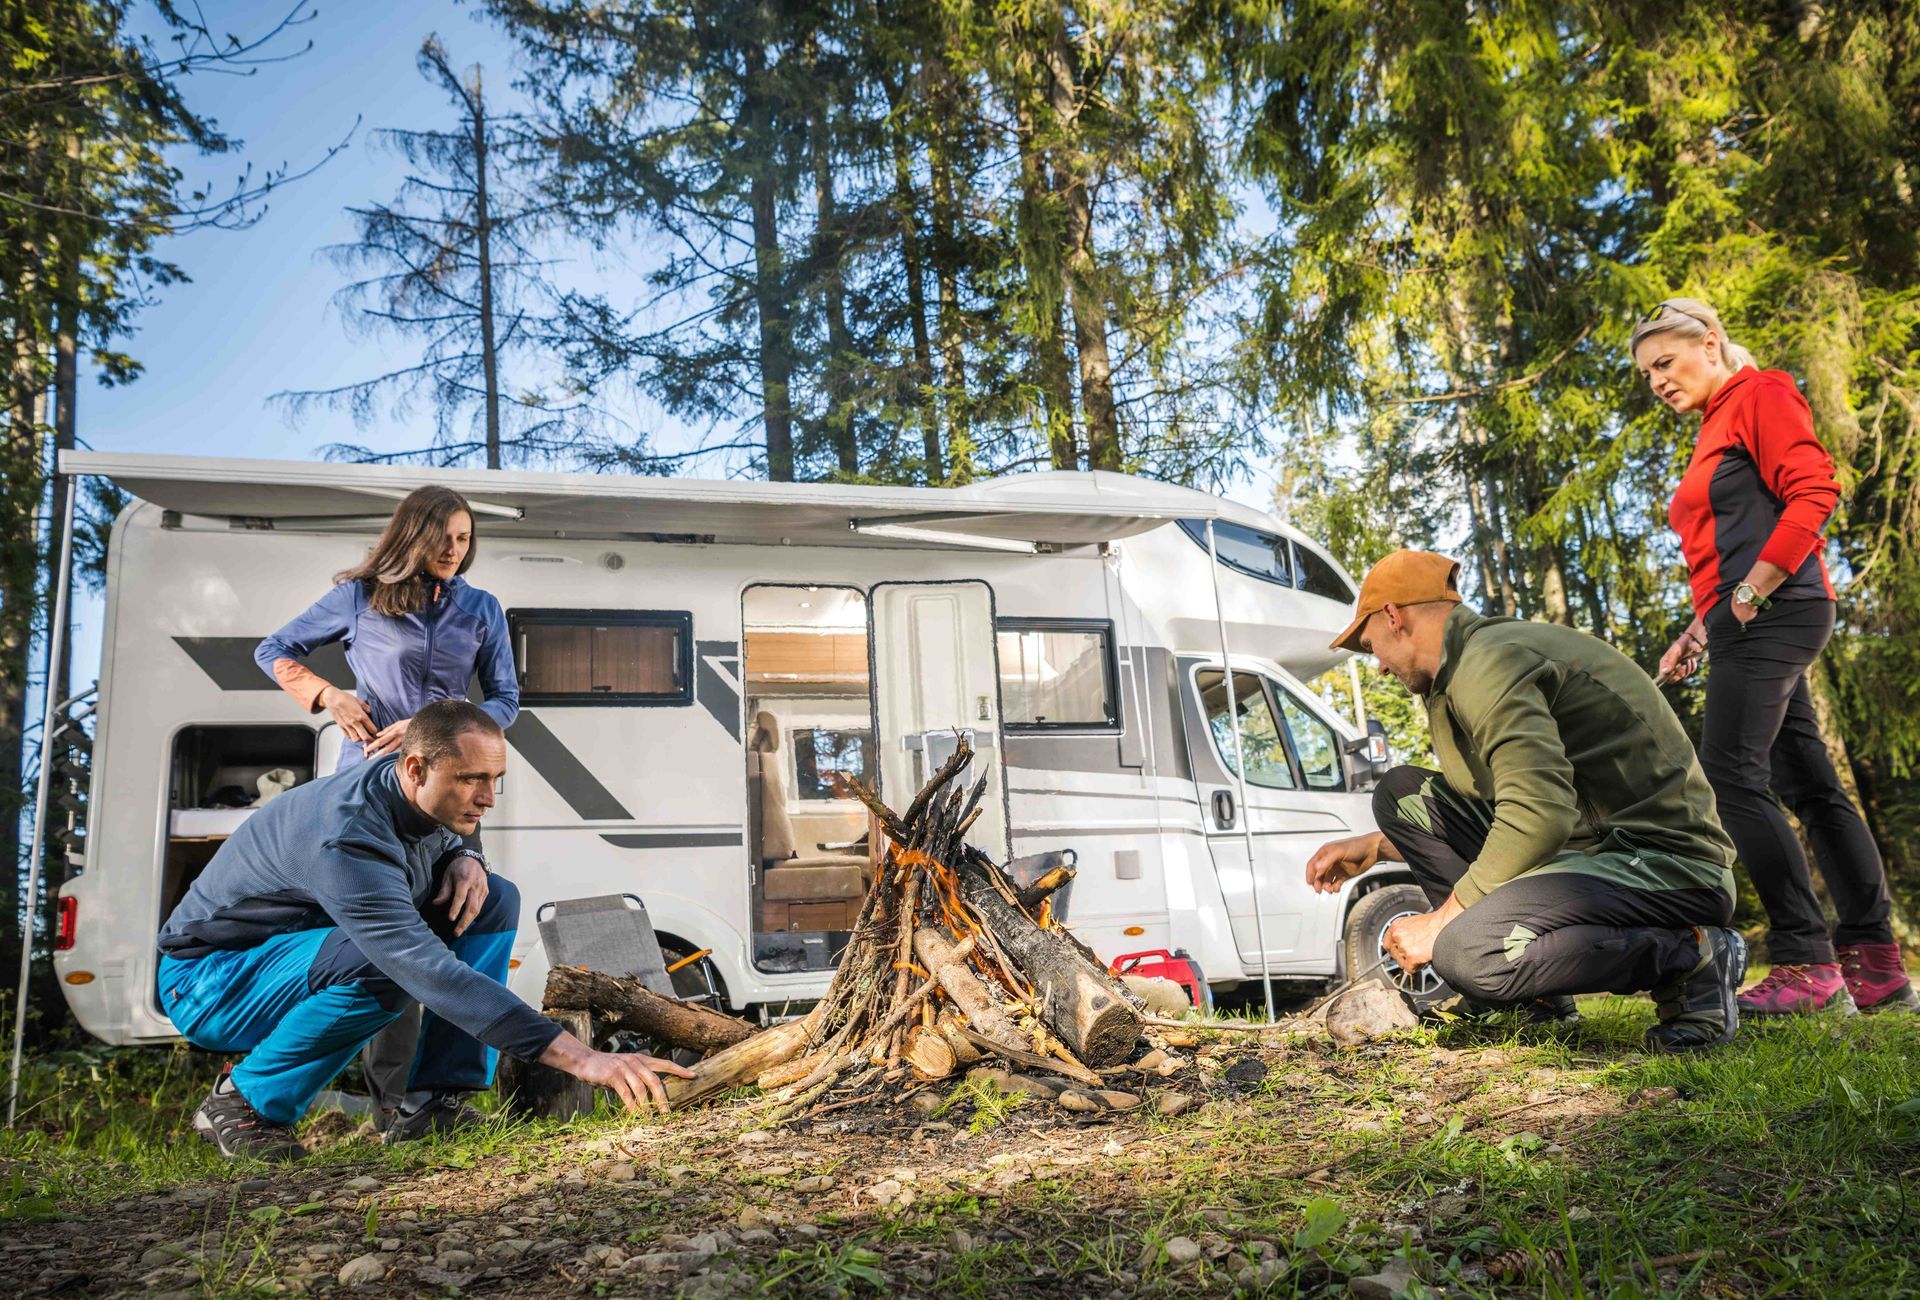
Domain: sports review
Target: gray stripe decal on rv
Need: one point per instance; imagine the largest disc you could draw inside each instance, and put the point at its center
(569, 777)
(671, 840)
(716, 682)
(228, 660)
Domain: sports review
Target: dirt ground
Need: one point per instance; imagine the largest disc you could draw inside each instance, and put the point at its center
(883, 1197)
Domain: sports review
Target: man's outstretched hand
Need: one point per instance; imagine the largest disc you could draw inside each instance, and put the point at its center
(634, 1076)
(1336, 862)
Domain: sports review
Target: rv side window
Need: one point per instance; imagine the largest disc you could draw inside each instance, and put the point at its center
(1313, 743)
(1261, 555)
(603, 656)
(1260, 739)
(1318, 578)
(1057, 673)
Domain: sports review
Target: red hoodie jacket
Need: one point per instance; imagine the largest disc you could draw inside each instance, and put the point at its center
(1760, 487)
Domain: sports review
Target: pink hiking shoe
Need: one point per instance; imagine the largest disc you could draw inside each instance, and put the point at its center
(1877, 977)
(1793, 990)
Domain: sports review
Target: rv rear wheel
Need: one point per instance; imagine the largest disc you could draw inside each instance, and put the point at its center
(1366, 950)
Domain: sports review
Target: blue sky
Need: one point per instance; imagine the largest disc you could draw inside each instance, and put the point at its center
(257, 315)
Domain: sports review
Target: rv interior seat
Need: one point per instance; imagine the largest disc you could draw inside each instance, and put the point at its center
(815, 891)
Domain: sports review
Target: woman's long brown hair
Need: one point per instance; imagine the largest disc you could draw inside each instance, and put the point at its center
(395, 570)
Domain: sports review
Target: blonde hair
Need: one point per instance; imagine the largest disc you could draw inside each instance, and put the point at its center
(1689, 318)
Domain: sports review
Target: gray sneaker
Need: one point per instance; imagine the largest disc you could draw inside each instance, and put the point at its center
(443, 1112)
(229, 1121)
(1533, 1011)
(1701, 1009)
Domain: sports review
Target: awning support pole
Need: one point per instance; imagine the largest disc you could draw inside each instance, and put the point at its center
(1240, 772)
(1359, 696)
(54, 649)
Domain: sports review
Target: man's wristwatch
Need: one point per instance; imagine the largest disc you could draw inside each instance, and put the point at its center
(465, 851)
(1745, 594)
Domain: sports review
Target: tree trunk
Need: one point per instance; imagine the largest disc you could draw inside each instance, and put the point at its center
(1043, 289)
(1073, 183)
(20, 485)
(769, 272)
(1079, 1001)
(483, 235)
(629, 1004)
(829, 253)
(946, 273)
(907, 206)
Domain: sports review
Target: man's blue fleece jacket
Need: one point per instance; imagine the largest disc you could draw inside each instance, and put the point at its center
(350, 850)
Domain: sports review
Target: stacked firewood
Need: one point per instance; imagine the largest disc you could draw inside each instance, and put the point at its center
(951, 962)
(950, 965)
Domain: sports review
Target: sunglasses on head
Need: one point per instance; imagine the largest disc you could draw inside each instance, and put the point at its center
(1662, 308)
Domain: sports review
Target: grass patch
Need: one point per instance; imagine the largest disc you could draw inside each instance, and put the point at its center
(1493, 1158)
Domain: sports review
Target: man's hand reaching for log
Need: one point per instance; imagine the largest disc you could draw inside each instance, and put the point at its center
(633, 1076)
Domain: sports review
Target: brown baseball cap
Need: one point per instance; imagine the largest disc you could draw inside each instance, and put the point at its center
(1402, 578)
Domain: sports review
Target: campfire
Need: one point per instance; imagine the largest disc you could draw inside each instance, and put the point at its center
(950, 965)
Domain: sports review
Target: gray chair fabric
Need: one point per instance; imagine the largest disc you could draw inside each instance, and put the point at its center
(611, 933)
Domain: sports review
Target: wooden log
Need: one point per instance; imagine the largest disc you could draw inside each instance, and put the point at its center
(1031, 896)
(1079, 1001)
(540, 1091)
(623, 1002)
(788, 1072)
(949, 968)
(927, 1052)
(745, 1061)
(964, 1052)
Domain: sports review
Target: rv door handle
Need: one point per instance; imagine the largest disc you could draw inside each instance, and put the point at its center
(1223, 808)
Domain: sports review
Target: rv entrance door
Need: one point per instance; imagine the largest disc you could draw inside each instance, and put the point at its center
(1287, 753)
(935, 675)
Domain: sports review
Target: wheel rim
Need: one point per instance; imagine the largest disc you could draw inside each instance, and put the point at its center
(1422, 983)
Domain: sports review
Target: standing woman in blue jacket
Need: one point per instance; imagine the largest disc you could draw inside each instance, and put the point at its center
(415, 631)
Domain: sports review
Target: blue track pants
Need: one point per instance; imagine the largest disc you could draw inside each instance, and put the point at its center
(301, 1004)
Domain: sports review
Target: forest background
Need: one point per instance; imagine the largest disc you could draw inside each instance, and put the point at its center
(1374, 262)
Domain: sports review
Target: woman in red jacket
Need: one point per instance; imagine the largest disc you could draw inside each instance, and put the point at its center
(1750, 511)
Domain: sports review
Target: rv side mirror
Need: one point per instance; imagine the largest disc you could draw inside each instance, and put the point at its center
(1368, 757)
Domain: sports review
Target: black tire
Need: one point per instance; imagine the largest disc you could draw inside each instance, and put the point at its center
(1367, 923)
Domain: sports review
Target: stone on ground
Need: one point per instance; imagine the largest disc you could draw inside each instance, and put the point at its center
(1367, 1011)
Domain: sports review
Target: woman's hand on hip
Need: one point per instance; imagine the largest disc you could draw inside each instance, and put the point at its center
(388, 738)
(347, 710)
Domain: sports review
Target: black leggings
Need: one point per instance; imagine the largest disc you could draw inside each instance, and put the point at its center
(1761, 739)
(1544, 933)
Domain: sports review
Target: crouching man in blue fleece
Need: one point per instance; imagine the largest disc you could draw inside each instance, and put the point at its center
(332, 906)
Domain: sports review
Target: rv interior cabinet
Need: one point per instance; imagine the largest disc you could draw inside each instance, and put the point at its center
(214, 782)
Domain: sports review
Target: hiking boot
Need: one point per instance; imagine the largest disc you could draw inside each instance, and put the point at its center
(1799, 990)
(229, 1121)
(1533, 1011)
(1701, 1009)
(443, 1112)
(1877, 978)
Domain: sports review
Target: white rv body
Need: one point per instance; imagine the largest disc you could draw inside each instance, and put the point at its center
(656, 798)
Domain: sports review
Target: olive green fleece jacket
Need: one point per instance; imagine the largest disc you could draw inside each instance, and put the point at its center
(1583, 760)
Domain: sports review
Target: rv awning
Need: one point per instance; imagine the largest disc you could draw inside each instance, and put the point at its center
(1016, 512)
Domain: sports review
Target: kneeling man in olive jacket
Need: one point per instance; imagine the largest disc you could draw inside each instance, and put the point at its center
(1568, 843)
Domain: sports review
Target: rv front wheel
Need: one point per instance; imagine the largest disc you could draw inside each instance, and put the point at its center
(1366, 949)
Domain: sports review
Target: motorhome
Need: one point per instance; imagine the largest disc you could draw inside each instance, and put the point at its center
(702, 664)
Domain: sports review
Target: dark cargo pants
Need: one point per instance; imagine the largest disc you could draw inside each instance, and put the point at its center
(1573, 926)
